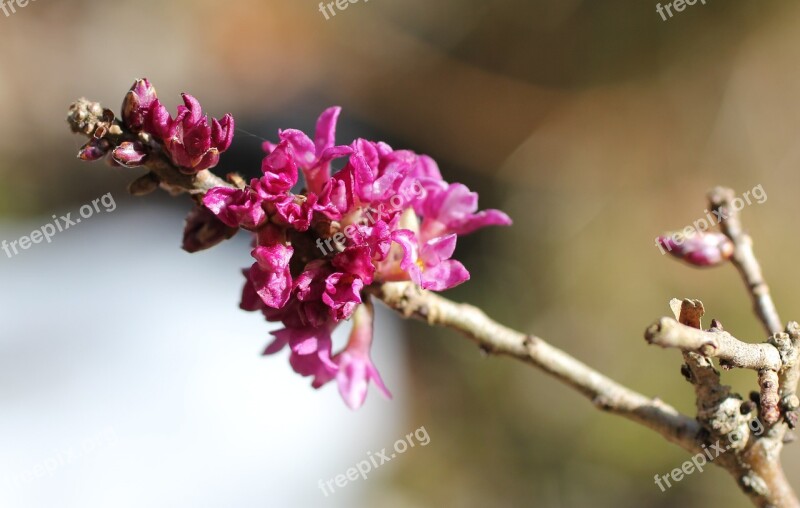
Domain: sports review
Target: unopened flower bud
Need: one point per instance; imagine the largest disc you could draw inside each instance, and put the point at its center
(94, 150)
(137, 105)
(204, 230)
(129, 154)
(698, 249)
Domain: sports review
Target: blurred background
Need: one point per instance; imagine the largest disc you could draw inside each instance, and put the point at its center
(596, 126)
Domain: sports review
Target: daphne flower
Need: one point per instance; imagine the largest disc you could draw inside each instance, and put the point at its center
(235, 207)
(355, 367)
(454, 209)
(314, 157)
(431, 267)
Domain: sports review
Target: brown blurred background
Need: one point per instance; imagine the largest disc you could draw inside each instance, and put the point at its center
(596, 126)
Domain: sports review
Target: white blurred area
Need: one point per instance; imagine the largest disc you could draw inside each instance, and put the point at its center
(130, 357)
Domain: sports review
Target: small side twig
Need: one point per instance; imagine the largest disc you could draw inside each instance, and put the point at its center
(668, 333)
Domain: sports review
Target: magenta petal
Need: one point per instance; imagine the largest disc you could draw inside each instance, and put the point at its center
(160, 121)
(408, 241)
(235, 207)
(194, 108)
(325, 135)
(438, 249)
(302, 147)
(311, 351)
(356, 369)
(270, 275)
(426, 168)
(356, 261)
(342, 294)
(275, 346)
(480, 220)
(458, 201)
(250, 299)
(268, 146)
(209, 160)
(353, 380)
(280, 169)
(445, 275)
(198, 140)
(222, 132)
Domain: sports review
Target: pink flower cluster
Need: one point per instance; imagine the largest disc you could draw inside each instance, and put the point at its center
(311, 291)
(191, 143)
(386, 216)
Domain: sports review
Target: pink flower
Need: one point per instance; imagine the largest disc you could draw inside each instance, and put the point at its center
(310, 352)
(313, 157)
(235, 207)
(270, 274)
(342, 294)
(431, 267)
(280, 170)
(355, 367)
(453, 210)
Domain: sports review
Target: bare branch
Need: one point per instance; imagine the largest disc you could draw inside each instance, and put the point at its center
(608, 395)
(745, 260)
(666, 332)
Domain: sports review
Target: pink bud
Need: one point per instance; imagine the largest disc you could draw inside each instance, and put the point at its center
(137, 105)
(698, 249)
(129, 154)
(94, 150)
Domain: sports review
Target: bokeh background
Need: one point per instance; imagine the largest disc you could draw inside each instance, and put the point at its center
(595, 125)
